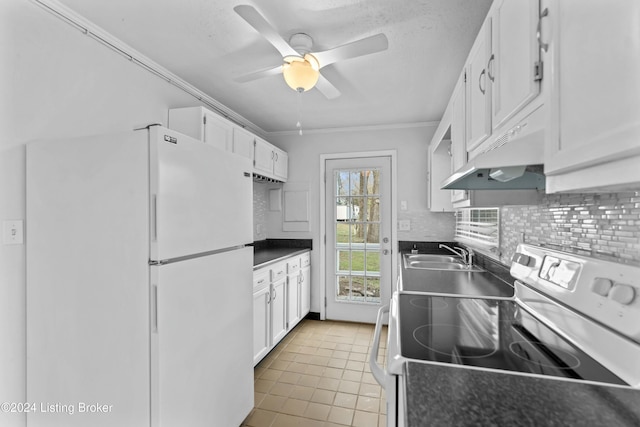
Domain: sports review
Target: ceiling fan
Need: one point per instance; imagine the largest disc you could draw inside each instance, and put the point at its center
(301, 67)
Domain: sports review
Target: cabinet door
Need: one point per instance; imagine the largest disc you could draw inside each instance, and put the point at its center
(305, 291)
(293, 301)
(458, 151)
(263, 157)
(280, 164)
(478, 112)
(278, 311)
(261, 320)
(595, 86)
(514, 56)
(218, 131)
(243, 142)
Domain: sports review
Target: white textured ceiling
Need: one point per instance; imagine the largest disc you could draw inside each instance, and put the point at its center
(208, 45)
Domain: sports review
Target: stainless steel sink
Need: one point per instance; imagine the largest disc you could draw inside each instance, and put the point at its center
(431, 258)
(437, 262)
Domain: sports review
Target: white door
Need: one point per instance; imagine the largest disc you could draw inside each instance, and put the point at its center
(358, 233)
(196, 188)
(202, 346)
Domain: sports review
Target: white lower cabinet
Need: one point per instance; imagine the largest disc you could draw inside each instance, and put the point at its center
(278, 311)
(281, 298)
(261, 323)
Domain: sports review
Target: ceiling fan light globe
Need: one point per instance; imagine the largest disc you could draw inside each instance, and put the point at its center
(300, 75)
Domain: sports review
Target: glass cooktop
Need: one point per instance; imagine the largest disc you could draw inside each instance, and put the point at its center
(497, 334)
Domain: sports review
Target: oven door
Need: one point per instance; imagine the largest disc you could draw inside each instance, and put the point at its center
(390, 377)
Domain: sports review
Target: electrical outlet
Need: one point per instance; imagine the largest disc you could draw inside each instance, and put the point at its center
(404, 225)
(12, 232)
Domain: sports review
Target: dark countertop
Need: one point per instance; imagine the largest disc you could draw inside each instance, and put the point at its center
(456, 282)
(270, 251)
(441, 395)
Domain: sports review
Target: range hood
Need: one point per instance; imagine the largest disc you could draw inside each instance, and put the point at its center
(513, 161)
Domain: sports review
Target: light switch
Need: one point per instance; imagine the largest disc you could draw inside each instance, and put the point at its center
(403, 205)
(404, 225)
(12, 232)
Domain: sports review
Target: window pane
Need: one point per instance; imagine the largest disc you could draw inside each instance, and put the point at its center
(373, 289)
(373, 209)
(373, 262)
(358, 208)
(343, 290)
(373, 234)
(357, 286)
(373, 182)
(356, 182)
(357, 261)
(342, 183)
(358, 233)
(343, 261)
(342, 233)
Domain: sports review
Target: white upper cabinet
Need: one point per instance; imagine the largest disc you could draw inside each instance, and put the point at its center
(209, 127)
(263, 157)
(202, 124)
(280, 164)
(458, 149)
(594, 61)
(270, 161)
(478, 89)
(243, 142)
(513, 69)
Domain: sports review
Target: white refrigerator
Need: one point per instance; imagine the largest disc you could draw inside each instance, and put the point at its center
(139, 299)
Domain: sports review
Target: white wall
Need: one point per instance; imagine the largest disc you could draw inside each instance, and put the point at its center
(55, 82)
(304, 167)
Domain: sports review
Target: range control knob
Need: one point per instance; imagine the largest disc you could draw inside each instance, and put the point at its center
(601, 286)
(623, 294)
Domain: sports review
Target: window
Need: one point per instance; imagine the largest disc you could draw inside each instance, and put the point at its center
(478, 228)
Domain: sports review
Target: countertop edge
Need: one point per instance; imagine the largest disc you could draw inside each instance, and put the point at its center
(294, 252)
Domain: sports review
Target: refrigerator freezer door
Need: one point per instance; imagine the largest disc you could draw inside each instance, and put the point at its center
(201, 197)
(202, 364)
(87, 281)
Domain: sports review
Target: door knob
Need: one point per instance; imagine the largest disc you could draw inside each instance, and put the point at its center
(385, 252)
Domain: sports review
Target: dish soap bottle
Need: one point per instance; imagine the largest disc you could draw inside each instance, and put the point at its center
(415, 249)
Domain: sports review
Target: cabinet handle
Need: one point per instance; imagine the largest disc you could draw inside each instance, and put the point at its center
(544, 46)
(275, 294)
(490, 66)
(484, 71)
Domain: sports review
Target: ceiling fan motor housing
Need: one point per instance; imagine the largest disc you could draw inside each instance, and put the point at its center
(301, 43)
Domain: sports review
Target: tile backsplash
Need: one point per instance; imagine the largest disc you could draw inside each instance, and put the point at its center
(605, 226)
(260, 207)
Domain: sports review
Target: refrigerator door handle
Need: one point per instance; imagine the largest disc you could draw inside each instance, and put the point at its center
(154, 217)
(154, 309)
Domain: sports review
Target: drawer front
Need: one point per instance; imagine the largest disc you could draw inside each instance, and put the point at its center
(278, 271)
(293, 265)
(261, 278)
(305, 260)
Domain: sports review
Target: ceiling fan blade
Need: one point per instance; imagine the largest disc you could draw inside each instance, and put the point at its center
(361, 47)
(259, 74)
(257, 21)
(327, 88)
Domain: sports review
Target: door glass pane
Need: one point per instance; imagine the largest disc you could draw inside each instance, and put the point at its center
(342, 233)
(357, 231)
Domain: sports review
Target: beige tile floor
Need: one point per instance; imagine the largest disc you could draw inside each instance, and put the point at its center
(319, 376)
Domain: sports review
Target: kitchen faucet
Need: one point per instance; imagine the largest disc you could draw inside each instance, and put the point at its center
(465, 254)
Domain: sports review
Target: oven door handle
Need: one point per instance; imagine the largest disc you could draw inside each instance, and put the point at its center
(379, 373)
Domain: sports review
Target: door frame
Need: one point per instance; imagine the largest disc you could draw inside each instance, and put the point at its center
(393, 155)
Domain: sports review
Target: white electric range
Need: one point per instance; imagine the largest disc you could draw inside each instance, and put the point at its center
(572, 317)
